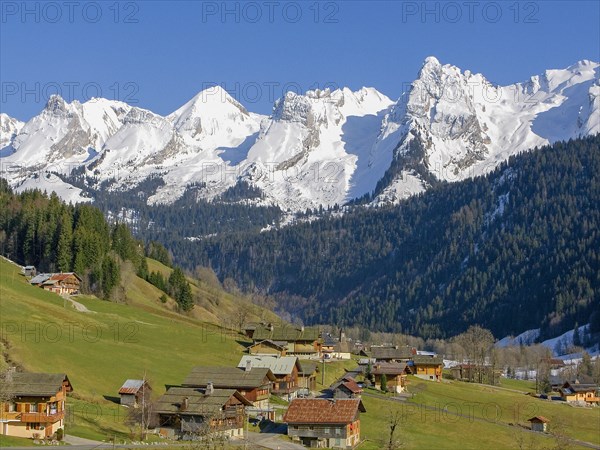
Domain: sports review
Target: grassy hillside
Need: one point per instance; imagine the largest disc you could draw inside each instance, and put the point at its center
(468, 415)
(100, 349)
(213, 304)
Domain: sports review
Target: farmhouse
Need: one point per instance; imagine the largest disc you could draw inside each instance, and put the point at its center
(325, 423)
(67, 283)
(37, 405)
(285, 368)
(578, 392)
(297, 340)
(254, 383)
(134, 392)
(188, 413)
(393, 373)
(29, 271)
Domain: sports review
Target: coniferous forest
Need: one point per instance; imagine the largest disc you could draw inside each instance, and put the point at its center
(513, 250)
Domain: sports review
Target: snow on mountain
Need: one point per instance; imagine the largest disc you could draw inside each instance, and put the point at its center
(9, 128)
(317, 149)
(63, 136)
(464, 125)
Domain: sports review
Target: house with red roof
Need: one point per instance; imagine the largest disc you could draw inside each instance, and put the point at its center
(325, 422)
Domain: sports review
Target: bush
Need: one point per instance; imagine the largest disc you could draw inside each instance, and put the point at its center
(60, 434)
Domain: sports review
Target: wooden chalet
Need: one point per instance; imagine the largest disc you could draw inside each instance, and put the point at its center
(286, 370)
(580, 392)
(427, 367)
(307, 377)
(254, 383)
(325, 423)
(134, 392)
(37, 405)
(346, 387)
(67, 283)
(395, 375)
(268, 347)
(297, 340)
(189, 413)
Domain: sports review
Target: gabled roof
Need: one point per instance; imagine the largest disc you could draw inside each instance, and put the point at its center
(569, 388)
(279, 345)
(391, 353)
(40, 278)
(279, 365)
(388, 368)
(307, 368)
(538, 419)
(351, 386)
(63, 276)
(198, 402)
(323, 411)
(285, 333)
(229, 377)
(132, 386)
(37, 384)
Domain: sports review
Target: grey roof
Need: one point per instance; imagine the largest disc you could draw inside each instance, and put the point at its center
(307, 368)
(40, 278)
(229, 377)
(199, 403)
(279, 365)
(132, 386)
(579, 387)
(37, 384)
(278, 344)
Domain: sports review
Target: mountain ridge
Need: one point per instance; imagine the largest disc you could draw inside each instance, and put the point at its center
(316, 149)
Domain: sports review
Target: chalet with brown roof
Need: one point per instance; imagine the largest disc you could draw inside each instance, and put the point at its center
(347, 387)
(297, 340)
(325, 423)
(427, 367)
(268, 347)
(134, 392)
(395, 375)
(187, 412)
(254, 383)
(67, 283)
(37, 405)
(580, 392)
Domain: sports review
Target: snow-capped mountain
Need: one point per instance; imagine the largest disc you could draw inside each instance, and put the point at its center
(453, 125)
(9, 128)
(320, 148)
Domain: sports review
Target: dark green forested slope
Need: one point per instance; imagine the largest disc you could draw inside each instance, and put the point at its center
(514, 250)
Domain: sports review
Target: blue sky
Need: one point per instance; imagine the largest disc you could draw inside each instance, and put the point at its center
(158, 55)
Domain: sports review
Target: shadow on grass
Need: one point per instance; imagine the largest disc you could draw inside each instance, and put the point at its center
(116, 400)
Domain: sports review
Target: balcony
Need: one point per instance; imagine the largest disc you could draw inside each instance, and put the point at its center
(42, 417)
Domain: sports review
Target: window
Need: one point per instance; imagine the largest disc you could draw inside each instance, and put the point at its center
(12, 407)
(338, 431)
(33, 407)
(327, 430)
(311, 428)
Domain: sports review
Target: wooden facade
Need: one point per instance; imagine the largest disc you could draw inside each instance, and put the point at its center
(37, 407)
(583, 393)
(190, 413)
(325, 423)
